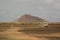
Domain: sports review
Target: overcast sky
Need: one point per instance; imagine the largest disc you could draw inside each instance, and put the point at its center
(46, 9)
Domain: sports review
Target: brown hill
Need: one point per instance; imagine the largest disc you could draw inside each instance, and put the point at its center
(29, 19)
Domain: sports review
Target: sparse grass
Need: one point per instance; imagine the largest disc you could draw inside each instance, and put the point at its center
(39, 32)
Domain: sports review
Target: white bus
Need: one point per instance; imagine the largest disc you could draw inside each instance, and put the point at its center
(45, 24)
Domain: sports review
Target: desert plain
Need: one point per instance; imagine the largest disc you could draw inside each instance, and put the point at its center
(52, 32)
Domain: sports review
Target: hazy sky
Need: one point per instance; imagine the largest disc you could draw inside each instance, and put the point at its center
(46, 9)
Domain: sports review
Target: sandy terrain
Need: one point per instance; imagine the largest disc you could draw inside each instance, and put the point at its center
(19, 35)
(12, 34)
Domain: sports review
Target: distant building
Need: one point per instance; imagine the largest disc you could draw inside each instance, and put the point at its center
(28, 19)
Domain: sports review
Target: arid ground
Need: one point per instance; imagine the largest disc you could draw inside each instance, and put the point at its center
(50, 33)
